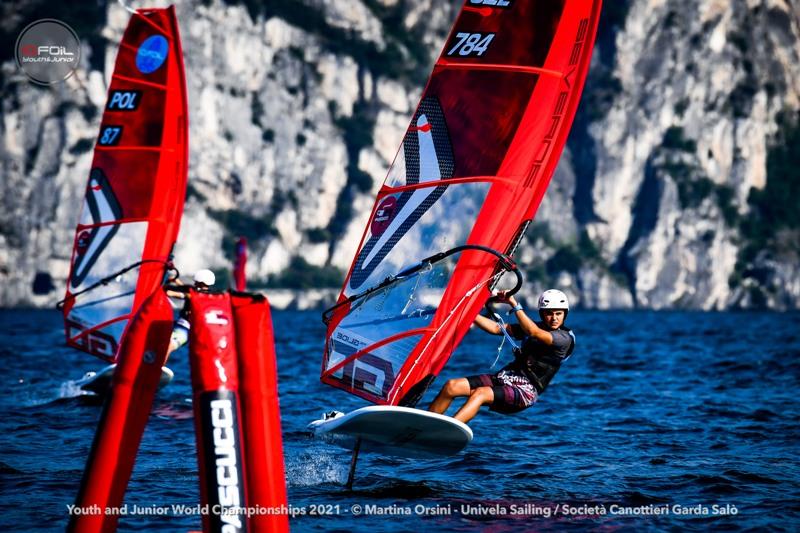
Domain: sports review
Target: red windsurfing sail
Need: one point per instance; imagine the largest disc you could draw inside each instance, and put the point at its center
(136, 190)
(468, 178)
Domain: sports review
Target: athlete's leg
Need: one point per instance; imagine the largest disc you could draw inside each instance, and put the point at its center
(452, 389)
(172, 347)
(180, 336)
(479, 397)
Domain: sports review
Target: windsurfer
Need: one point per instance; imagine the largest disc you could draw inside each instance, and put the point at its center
(203, 280)
(544, 346)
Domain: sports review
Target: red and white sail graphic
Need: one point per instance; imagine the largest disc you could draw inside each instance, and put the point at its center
(472, 169)
(101, 210)
(136, 190)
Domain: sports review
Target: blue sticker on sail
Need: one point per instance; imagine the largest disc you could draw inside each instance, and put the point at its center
(152, 54)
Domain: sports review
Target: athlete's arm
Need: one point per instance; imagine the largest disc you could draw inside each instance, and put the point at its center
(488, 325)
(528, 326)
(176, 294)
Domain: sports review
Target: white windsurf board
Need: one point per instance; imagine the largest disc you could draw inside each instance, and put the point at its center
(100, 382)
(394, 430)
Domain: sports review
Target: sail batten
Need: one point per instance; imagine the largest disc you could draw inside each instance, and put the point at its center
(499, 67)
(510, 180)
(133, 149)
(159, 86)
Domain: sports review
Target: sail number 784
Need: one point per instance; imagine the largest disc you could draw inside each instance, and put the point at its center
(471, 44)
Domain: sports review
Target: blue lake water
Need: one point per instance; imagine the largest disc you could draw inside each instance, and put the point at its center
(670, 413)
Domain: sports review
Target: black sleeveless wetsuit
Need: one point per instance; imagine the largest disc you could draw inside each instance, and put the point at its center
(518, 385)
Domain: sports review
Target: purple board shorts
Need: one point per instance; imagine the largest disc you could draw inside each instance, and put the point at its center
(512, 392)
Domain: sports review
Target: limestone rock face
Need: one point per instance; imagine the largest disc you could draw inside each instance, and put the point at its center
(684, 100)
(297, 110)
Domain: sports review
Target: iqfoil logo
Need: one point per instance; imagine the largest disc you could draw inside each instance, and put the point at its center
(152, 54)
(48, 51)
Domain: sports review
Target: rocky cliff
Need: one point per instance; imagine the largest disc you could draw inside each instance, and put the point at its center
(678, 187)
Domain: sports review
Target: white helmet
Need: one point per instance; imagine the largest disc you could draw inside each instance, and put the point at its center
(553, 299)
(204, 276)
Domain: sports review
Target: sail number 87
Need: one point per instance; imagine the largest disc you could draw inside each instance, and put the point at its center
(471, 44)
(110, 135)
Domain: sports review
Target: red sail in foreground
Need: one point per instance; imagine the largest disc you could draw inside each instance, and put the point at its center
(122, 422)
(472, 169)
(237, 417)
(136, 190)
